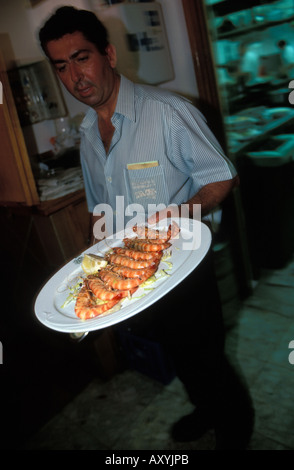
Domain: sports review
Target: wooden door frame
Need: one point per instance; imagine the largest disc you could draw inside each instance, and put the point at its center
(209, 100)
(210, 105)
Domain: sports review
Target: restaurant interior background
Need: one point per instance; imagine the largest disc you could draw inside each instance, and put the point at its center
(224, 56)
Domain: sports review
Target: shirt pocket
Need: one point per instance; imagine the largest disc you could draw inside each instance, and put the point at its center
(146, 186)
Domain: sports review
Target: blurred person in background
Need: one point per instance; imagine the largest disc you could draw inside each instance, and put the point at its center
(287, 57)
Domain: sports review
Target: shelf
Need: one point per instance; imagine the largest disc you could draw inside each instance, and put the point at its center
(256, 27)
(227, 7)
(49, 207)
(268, 130)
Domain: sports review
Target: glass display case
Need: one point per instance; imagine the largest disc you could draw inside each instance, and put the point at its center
(252, 44)
(253, 47)
(37, 93)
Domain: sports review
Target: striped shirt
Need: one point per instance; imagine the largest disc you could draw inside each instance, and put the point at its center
(161, 129)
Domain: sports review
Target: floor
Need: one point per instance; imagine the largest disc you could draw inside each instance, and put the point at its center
(131, 411)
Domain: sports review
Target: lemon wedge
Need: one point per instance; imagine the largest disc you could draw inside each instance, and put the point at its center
(92, 263)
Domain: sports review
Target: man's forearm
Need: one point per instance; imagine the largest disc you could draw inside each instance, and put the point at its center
(211, 195)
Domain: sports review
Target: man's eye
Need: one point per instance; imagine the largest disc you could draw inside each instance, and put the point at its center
(83, 58)
(60, 68)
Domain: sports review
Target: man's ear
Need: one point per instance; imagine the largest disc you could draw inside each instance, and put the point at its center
(111, 55)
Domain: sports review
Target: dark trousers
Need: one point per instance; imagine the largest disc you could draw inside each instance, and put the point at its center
(188, 323)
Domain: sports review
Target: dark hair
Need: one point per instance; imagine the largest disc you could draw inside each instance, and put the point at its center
(282, 43)
(68, 20)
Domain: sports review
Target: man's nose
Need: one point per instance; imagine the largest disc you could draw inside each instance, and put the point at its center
(75, 72)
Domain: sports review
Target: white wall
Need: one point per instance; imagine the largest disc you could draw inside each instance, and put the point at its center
(185, 80)
(14, 21)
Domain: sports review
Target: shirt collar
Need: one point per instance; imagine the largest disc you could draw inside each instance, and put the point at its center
(89, 120)
(125, 105)
(125, 102)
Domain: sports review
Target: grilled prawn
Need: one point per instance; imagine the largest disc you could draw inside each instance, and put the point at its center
(161, 235)
(134, 254)
(86, 305)
(116, 281)
(145, 245)
(133, 273)
(129, 262)
(101, 290)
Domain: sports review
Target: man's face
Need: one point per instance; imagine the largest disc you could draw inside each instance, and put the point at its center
(87, 74)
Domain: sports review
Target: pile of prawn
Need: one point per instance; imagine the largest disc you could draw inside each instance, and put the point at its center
(128, 267)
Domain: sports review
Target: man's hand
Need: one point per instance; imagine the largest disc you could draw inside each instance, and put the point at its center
(172, 211)
(94, 236)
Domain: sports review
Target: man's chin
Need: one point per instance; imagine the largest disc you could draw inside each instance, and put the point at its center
(86, 99)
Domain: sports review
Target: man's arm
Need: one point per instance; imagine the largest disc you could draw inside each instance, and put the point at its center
(209, 197)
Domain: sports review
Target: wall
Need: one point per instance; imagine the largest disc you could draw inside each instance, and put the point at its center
(22, 22)
(14, 20)
(185, 81)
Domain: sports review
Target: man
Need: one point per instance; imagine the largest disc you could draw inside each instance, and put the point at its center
(249, 64)
(131, 124)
